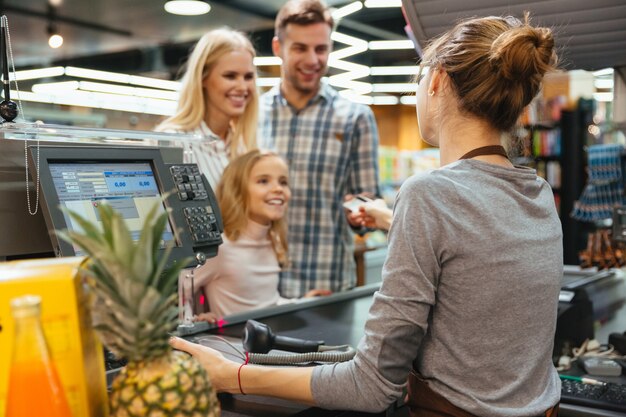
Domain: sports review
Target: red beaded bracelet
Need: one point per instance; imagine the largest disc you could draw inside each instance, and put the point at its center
(239, 373)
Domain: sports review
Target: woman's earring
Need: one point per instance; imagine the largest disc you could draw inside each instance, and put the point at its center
(432, 93)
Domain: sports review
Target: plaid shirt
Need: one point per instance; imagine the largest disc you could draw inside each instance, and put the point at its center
(331, 146)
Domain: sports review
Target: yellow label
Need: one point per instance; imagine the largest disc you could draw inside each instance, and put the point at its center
(65, 317)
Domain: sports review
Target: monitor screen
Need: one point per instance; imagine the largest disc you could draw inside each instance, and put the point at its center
(129, 187)
(130, 179)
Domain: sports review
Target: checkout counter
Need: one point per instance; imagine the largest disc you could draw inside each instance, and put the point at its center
(337, 319)
(340, 318)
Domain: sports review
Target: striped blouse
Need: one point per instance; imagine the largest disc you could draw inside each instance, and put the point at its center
(211, 153)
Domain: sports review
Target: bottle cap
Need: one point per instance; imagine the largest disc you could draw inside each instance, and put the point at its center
(26, 305)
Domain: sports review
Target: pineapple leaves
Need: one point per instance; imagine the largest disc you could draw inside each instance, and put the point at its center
(135, 290)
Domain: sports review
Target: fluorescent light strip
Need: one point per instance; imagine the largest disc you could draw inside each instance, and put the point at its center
(394, 87)
(128, 91)
(347, 10)
(388, 45)
(385, 100)
(97, 75)
(412, 100)
(605, 71)
(358, 87)
(356, 98)
(356, 46)
(346, 52)
(260, 61)
(399, 70)
(603, 96)
(382, 3)
(154, 82)
(603, 83)
(348, 66)
(347, 39)
(104, 101)
(51, 88)
(121, 78)
(350, 75)
(267, 81)
(36, 73)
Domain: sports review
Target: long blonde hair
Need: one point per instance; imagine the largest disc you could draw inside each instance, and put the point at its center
(192, 101)
(233, 199)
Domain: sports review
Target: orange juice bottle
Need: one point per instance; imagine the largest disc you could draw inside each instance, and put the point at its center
(34, 385)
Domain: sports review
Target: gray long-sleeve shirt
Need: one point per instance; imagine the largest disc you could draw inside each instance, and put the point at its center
(469, 295)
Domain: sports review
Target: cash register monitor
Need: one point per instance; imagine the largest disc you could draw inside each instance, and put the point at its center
(131, 180)
(129, 187)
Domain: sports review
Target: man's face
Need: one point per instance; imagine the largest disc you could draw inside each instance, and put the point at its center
(304, 51)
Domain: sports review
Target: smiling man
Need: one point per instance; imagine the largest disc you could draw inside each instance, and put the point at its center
(330, 144)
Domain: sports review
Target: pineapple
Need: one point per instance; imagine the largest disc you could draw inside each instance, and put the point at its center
(135, 308)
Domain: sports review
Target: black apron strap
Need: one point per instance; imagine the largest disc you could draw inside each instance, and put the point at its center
(486, 150)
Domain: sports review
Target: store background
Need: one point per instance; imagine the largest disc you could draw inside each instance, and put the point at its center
(139, 38)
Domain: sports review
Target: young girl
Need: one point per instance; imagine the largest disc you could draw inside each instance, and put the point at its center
(253, 195)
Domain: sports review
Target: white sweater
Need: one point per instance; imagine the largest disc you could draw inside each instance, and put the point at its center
(244, 274)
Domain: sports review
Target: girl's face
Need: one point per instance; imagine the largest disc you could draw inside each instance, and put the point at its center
(268, 190)
(230, 84)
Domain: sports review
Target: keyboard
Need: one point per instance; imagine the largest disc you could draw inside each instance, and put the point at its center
(610, 396)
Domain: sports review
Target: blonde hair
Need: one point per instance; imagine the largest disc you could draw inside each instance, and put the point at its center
(496, 65)
(192, 102)
(233, 199)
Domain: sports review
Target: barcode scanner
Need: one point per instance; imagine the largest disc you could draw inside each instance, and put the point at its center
(259, 338)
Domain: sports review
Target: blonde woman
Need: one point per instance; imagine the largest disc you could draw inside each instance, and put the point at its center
(218, 100)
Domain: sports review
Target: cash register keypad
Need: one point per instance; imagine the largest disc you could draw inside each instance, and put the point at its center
(198, 212)
(202, 223)
(188, 182)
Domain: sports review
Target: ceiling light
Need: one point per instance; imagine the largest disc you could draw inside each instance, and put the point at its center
(394, 87)
(397, 70)
(356, 46)
(411, 100)
(267, 81)
(385, 100)
(603, 96)
(399, 44)
(55, 87)
(383, 3)
(104, 101)
(346, 10)
(55, 41)
(34, 74)
(602, 72)
(356, 98)
(267, 60)
(187, 7)
(603, 83)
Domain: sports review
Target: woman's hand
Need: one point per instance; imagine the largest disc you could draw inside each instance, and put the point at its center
(208, 317)
(376, 214)
(317, 293)
(221, 371)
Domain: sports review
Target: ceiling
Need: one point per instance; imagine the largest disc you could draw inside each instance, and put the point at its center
(590, 34)
(139, 37)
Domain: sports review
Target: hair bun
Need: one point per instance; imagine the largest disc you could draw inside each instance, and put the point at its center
(523, 52)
